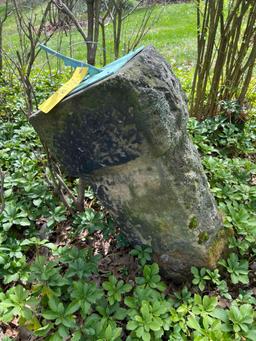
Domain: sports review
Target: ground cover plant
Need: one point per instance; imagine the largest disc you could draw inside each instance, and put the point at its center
(73, 276)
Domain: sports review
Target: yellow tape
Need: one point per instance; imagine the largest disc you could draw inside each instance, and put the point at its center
(54, 99)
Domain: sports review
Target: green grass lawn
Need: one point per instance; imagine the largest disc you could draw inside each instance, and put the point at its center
(173, 34)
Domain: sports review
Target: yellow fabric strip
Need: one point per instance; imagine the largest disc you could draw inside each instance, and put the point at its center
(54, 99)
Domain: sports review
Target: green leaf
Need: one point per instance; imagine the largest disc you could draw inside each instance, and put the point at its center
(43, 331)
(197, 299)
(194, 271)
(68, 322)
(7, 226)
(37, 202)
(127, 288)
(76, 336)
(108, 332)
(132, 325)
(193, 323)
(23, 222)
(234, 313)
(72, 308)
(251, 335)
(220, 314)
(55, 337)
(107, 286)
(63, 332)
(146, 336)
(145, 310)
(209, 303)
(50, 315)
(11, 278)
(53, 304)
(85, 307)
(155, 325)
(120, 314)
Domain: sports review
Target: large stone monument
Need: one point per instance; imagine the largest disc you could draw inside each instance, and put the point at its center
(126, 135)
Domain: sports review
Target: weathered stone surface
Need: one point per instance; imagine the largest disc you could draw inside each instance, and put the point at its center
(127, 136)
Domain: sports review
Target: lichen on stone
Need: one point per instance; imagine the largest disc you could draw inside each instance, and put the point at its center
(193, 224)
(203, 237)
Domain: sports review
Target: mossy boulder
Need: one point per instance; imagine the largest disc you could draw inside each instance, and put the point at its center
(127, 136)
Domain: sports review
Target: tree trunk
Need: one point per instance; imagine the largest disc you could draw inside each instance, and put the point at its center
(93, 13)
(104, 46)
(117, 28)
(126, 135)
(1, 48)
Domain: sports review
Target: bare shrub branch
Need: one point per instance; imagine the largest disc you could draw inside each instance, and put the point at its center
(226, 54)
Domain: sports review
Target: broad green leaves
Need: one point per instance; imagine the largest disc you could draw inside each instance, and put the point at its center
(115, 289)
(238, 269)
(151, 278)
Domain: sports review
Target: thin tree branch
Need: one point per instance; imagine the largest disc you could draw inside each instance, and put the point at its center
(2, 199)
